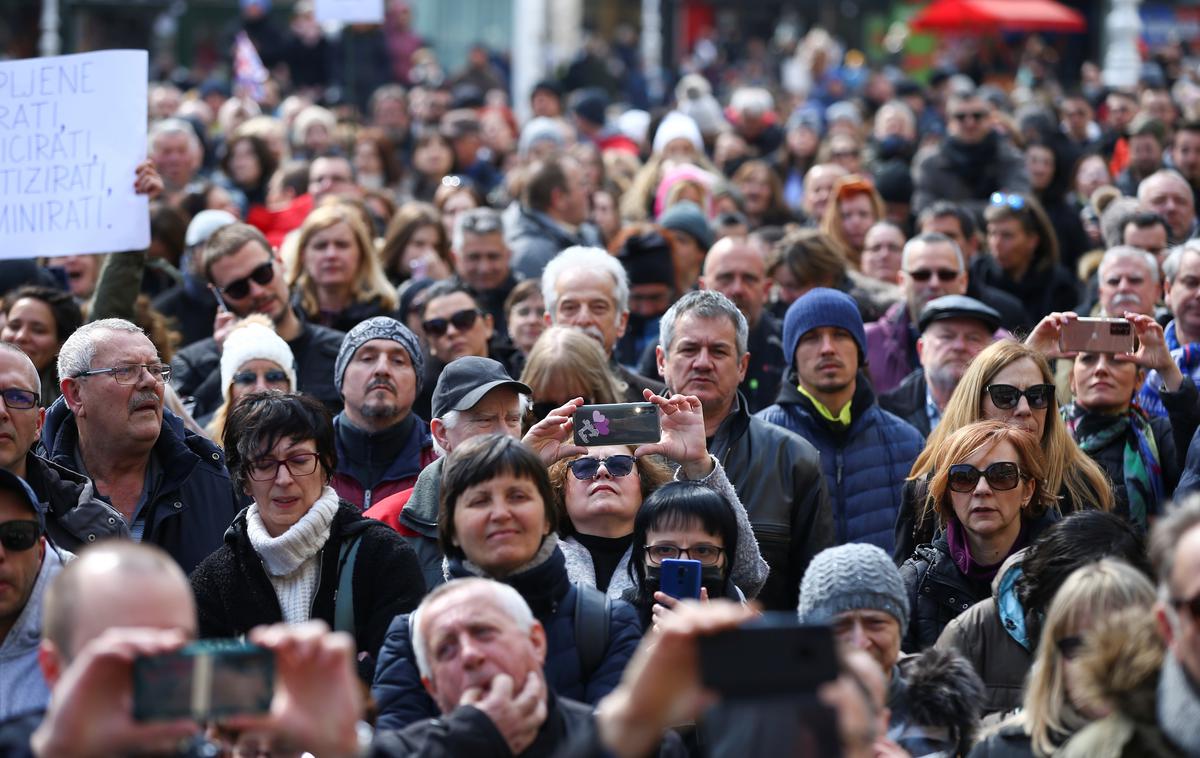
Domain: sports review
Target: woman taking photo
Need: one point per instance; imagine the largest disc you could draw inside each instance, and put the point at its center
(298, 552)
(416, 245)
(497, 520)
(987, 492)
(336, 277)
(1008, 382)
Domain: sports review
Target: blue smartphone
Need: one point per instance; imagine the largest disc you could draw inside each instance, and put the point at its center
(680, 579)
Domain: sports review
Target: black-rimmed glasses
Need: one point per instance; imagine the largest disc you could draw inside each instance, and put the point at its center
(706, 554)
(239, 288)
(461, 320)
(19, 536)
(1005, 396)
(17, 399)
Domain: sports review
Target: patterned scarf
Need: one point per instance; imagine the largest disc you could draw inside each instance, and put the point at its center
(1187, 357)
(1142, 468)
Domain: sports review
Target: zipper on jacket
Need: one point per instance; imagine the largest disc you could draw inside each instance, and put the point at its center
(366, 499)
(320, 577)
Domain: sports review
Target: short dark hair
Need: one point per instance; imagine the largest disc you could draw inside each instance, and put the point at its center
(293, 175)
(481, 459)
(679, 504)
(444, 288)
(544, 177)
(945, 208)
(259, 420)
(228, 240)
(267, 163)
(67, 316)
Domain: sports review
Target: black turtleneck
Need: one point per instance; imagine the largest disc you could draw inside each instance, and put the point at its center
(366, 456)
(606, 553)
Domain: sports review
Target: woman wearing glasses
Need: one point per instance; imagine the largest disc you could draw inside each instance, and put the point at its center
(298, 552)
(253, 359)
(601, 493)
(1008, 382)
(988, 492)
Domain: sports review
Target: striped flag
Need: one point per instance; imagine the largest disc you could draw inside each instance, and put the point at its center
(249, 73)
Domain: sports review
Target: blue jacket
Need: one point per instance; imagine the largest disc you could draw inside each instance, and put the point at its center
(402, 699)
(195, 501)
(865, 465)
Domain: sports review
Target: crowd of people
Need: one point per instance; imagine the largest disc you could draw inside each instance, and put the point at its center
(332, 410)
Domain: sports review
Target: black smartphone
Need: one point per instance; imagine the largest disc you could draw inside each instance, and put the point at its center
(616, 424)
(772, 656)
(680, 579)
(203, 681)
(221, 306)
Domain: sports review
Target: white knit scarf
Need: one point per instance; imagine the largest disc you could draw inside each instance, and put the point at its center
(291, 558)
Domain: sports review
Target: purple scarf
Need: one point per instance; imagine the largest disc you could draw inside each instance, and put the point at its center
(960, 552)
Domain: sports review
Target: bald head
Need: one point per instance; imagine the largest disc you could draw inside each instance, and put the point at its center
(1168, 194)
(737, 268)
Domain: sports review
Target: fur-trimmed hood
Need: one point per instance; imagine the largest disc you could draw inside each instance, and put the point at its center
(937, 703)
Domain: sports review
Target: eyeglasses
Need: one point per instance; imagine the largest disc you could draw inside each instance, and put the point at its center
(130, 373)
(1069, 647)
(239, 288)
(1005, 396)
(266, 469)
(19, 536)
(588, 467)
(706, 554)
(271, 376)
(1002, 476)
(969, 115)
(1016, 202)
(462, 321)
(16, 399)
(925, 274)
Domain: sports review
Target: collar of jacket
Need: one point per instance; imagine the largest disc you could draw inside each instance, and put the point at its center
(403, 442)
(421, 511)
(543, 582)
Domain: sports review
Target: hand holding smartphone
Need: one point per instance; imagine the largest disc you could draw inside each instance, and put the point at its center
(680, 578)
(1098, 335)
(203, 681)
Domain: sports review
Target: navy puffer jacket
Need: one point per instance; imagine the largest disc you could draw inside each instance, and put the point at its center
(402, 699)
(865, 464)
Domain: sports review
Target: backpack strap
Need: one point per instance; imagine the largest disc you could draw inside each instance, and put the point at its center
(592, 608)
(343, 605)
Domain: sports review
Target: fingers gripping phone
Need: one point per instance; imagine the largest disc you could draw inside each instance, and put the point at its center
(680, 579)
(204, 681)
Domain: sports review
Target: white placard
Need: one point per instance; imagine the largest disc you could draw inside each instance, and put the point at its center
(72, 132)
(349, 11)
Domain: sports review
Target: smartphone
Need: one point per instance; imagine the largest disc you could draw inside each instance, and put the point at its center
(616, 424)
(206, 680)
(772, 656)
(1098, 335)
(221, 306)
(680, 579)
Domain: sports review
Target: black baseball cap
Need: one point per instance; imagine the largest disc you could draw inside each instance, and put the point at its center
(464, 382)
(958, 306)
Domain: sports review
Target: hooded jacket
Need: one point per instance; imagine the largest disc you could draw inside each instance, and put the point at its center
(865, 464)
(891, 348)
(22, 688)
(536, 238)
(908, 400)
(413, 513)
(194, 501)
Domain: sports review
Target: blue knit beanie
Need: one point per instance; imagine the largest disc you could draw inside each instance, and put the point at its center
(818, 307)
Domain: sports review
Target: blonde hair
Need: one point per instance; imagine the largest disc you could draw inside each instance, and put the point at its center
(370, 283)
(846, 187)
(1066, 465)
(564, 356)
(1091, 593)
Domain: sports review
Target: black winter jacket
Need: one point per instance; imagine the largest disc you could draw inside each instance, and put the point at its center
(402, 700)
(75, 517)
(777, 475)
(194, 502)
(234, 593)
(907, 401)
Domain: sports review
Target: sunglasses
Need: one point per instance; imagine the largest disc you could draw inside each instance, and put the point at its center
(239, 288)
(272, 376)
(1016, 202)
(1192, 605)
(1005, 396)
(462, 321)
(924, 274)
(19, 535)
(1069, 647)
(969, 115)
(587, 467)
(1000, 476)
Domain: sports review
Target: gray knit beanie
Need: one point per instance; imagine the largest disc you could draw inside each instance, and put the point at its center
(852, 577)
(379, 328)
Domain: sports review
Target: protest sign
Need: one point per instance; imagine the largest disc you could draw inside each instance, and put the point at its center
(349, 11)
(72, 132)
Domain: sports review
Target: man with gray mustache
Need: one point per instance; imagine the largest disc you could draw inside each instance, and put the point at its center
(169, 484)
(1129, 281)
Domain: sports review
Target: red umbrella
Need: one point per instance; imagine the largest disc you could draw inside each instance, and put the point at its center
(999, 15)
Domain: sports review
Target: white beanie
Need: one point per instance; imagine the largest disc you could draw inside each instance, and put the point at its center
(676, 125)
(250, 341)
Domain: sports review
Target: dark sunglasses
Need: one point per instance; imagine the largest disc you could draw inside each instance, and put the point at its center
(1069, 647)
(19, 535)
(462, 321)
(587, 467)
(924, 274)
(1002, 476)
(969, 115)
(1005, 396)
(272, 376)
(239, 288)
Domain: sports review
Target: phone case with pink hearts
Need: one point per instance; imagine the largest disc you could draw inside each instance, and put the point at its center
(616, 424)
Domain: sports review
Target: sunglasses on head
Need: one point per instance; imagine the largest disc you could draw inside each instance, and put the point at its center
(1016, 202)
(462, 321)
(1000, 476)
(271, 376)
(19, 535)
(925, 274)
(1005, 396)
(587, 467)
(239, 288)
